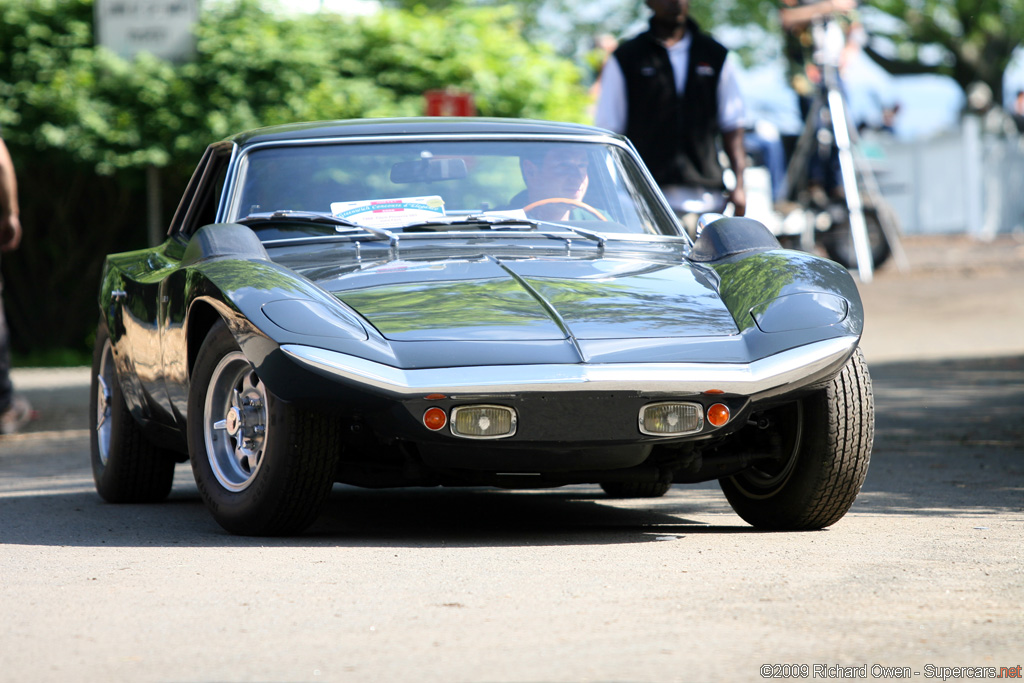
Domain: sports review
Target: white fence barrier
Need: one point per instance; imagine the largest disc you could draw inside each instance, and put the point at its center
(969, 181)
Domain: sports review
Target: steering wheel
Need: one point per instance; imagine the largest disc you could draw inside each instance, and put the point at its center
(565, 200)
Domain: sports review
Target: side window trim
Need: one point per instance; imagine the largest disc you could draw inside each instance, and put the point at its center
(213, 163)
(190, 190)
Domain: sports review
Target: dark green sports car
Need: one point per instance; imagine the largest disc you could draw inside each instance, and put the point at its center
(469, 302)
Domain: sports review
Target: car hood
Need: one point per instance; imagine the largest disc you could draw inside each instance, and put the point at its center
(494, 299)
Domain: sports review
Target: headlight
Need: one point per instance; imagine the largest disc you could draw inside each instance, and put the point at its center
(671, 419)
(483, 422)
(313, 318)
(801, 311)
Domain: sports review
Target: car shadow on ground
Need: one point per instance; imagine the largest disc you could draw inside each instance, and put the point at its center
(473, 516)
(949, 441)
(71, 515)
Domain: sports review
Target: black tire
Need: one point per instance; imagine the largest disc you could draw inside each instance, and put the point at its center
(636, 489)
(126, 466)
(263, 467)
(838, 240)
(828, 436)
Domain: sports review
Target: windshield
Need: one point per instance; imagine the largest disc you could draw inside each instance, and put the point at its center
(399, 185)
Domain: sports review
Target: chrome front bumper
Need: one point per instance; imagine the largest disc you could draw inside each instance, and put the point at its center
(786, 371)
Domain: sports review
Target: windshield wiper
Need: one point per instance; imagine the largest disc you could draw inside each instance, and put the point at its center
(488, 222)
(506, 222)
(316, 217)
(589, 234)
(512, 220)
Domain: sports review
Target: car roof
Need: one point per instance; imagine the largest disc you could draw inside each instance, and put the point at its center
(414, 127)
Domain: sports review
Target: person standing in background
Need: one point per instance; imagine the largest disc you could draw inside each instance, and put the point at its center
(1018, 111)
(674, 94)
(798, 18)
(605, 46)
(14, 410)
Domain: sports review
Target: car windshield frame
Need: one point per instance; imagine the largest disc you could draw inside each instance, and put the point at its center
(623, 185)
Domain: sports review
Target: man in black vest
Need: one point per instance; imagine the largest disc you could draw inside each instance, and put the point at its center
(672, 92)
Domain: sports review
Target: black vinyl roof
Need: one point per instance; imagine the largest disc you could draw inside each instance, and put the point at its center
(413, 127)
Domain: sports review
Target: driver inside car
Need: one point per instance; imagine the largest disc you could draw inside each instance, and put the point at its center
(556, 182)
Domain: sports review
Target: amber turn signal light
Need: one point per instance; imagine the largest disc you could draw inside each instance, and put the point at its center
(435, 419)
(718, 414)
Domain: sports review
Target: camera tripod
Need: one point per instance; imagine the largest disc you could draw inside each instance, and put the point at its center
(860, 189)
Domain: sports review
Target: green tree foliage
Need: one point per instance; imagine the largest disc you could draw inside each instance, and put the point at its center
(572, 26)
(975, 39)
(256, 68)
(569, 25)
(967, 40)
(84, 125)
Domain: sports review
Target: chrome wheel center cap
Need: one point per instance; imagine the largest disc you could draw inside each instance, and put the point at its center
(233, 421)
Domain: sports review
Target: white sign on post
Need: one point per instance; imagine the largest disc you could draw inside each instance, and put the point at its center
(163, 28)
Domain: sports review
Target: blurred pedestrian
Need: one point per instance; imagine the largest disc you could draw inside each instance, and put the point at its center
(806, 52)
(14, 410)
(1018, 111)
(605, 45)
(674, 94)
(763, 142)
(798, 18)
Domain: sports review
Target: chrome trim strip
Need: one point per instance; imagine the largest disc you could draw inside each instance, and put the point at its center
(492, 136)
(788, 370)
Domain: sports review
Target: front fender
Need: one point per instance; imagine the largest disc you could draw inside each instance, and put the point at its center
(266, 305)
(750, 282)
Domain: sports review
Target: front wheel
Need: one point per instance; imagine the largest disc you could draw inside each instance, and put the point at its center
(264, 467)
(825, 449)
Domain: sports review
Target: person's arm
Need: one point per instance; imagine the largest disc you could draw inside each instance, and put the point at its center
(732, 142)
(732, 116)
(10, 224)
(797, 17)
(611, 110)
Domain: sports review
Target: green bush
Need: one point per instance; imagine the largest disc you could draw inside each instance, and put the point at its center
(85, 126)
